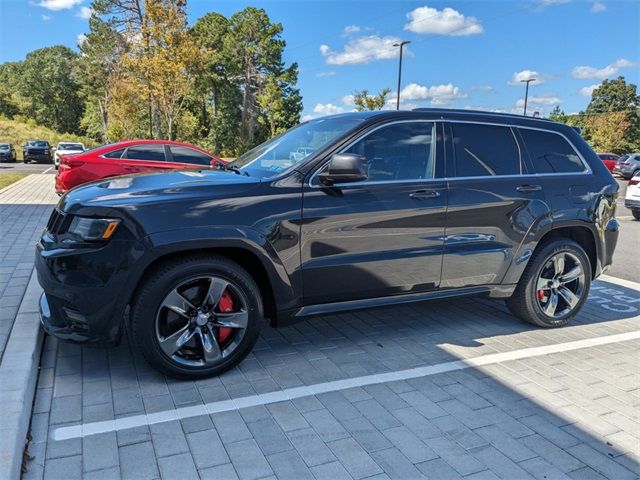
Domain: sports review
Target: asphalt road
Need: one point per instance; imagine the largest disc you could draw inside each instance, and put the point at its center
(21, 167)
(626, 260)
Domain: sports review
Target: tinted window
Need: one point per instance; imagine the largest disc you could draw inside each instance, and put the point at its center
(550, 152)
(114, 153)
(485, 150)
(403, 151)
(69, 146)
(189, 155)
(146, 152)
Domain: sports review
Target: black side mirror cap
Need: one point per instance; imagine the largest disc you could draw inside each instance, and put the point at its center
(345, 167)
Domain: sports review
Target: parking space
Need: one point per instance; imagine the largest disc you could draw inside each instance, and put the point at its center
(21, 167)
(449, 389)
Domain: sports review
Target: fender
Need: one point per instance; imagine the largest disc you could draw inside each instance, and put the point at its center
(285, 291)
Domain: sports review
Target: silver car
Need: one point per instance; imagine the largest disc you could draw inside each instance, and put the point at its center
(628, 165)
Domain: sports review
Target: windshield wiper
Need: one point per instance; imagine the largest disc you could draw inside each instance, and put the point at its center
(231, 168)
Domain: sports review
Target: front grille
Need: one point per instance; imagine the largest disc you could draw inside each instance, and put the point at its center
(58, 222)
(36, 151)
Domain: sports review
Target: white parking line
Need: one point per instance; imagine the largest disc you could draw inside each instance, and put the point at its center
(46, 171)
(93, 428)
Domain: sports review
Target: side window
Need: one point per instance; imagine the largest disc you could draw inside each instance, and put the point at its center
(189, 155)
(550, 152)
(485, 150)
(114, 153)
(402, 151)
(153, 153)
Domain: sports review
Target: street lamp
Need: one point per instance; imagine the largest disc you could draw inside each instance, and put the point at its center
(526, 93)
(401, 45)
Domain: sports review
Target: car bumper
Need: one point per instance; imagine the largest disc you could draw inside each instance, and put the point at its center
(624, 170)
(7, 158)
(38, 158)
(631, 203)
(86, 291)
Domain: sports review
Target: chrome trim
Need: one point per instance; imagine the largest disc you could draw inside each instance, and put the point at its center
(588, 170)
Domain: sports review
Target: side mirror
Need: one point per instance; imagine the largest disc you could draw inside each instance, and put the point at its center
(345, 167)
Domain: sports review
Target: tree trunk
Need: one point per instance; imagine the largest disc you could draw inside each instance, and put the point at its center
(104, 120)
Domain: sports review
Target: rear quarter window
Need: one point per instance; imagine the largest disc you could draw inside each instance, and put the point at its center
(551, 152)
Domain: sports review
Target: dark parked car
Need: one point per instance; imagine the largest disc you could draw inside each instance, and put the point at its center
(38, 151)
(7, 153)
(387, 208)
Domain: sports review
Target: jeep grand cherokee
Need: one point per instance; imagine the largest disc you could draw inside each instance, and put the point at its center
(386, 208)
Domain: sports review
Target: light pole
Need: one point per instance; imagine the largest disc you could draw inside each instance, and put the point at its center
(401, 45)
(526, 93)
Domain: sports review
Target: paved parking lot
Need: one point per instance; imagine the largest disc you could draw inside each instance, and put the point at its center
(450, 389)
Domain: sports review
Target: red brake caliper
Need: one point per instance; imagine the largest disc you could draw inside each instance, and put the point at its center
(225, 305)
(540, 294)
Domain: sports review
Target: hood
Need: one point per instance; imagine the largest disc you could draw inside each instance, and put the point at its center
(134, 191)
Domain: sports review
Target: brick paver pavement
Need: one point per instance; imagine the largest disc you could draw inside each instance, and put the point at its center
(25, 207)
(569, 414)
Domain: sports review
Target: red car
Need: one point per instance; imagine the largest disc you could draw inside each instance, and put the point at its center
(609, 160)
(123, 158)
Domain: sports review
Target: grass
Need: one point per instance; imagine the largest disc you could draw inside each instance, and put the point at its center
(7, 179)
(17, 133)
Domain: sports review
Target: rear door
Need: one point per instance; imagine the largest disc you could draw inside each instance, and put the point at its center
(384, 235)
(144, 158)
(493, 203)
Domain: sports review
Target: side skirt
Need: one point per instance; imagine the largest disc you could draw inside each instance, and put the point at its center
(492, 291)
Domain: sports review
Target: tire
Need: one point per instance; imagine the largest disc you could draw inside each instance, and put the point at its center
(153, 322)
(527, 301)
(636, 214)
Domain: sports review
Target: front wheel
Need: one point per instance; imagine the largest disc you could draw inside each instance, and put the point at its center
(197, 316)
(554, 286)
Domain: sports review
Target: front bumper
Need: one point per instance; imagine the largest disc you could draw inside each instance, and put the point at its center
(624, 170)
(38, 158)
(86, 290)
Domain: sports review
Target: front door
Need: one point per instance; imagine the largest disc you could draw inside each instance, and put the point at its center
(384, 235)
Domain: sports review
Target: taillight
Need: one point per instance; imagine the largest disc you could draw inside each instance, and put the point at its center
(634, 181)
(70, 163)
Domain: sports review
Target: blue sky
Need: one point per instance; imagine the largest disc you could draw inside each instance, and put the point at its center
(464, 54)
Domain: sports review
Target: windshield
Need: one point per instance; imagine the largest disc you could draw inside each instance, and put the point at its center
(290, 148)
(4, 146)
(70, 146)
(38, 144)
(623, 158)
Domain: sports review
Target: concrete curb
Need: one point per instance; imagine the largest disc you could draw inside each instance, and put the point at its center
(18, 376)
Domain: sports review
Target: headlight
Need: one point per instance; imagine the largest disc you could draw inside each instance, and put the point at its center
(91, 229)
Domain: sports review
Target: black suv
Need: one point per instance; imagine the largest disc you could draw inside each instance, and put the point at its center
(38, 151)
(380, 208)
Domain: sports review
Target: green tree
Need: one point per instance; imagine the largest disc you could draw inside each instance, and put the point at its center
(49, 89)
(558, 115)
(364, 101)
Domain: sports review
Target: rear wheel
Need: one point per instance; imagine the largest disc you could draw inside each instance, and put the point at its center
(197, 317)
(636, 214)
(554, 286)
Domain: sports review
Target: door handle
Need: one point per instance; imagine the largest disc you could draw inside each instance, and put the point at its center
(529, 188)
(130, 168)
(424, 194)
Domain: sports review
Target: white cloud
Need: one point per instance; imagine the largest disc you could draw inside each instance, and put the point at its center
(58, 4)
(306, 118)
(349, 29)
(46, 18)
(363, 50)
(327, 109)
(348, 100)
(84, 12)
(587, 91)
(437, 94)
(518, 77)
(80, 39)
(588, 72)
(427, 20)
(544, 99)
(484, 88)
(598, 7)
(325, 74)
